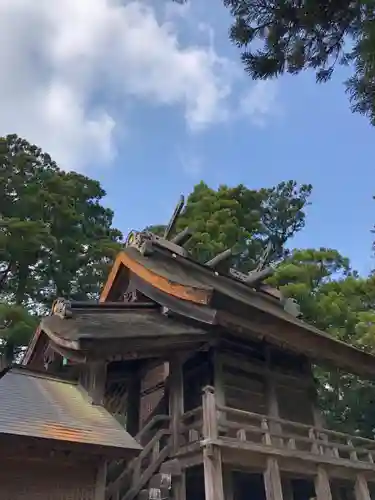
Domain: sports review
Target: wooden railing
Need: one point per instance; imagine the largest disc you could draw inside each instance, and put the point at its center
(124, 481)
(191, 429)
(217, 422)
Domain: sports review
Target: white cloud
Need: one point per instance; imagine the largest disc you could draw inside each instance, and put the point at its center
(260, 103)
(62, 57)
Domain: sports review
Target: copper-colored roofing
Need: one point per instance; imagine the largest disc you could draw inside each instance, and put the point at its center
(39, 406)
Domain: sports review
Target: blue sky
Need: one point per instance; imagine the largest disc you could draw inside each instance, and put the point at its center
(151, 118)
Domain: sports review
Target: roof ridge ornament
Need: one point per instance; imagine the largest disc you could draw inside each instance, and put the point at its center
(144, 241)
(62, 307)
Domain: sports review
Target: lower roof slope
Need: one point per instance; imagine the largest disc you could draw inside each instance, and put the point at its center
(37, 405)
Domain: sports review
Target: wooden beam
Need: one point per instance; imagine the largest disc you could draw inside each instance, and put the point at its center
(322, 485)
(272, 480)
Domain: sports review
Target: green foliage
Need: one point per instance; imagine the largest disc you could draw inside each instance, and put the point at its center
(336, 300)
(290, 36)
(16, 328)
(243, 219)
(55, 236)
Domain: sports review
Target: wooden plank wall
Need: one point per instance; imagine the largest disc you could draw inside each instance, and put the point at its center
(197, 373)
(152, 390)
(247, 373)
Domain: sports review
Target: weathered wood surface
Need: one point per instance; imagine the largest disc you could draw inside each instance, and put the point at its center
(128, 323)
(272, 480)
(265, 435)
(322, 485)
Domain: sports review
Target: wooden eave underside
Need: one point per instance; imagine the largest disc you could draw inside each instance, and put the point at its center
(127, 334)
(196, 292)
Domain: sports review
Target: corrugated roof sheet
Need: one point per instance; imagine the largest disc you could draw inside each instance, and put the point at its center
(37, 405)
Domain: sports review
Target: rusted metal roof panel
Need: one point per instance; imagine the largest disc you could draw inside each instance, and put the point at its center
(39, 406)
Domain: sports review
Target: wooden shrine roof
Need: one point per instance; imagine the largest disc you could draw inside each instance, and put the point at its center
(36, 405)
(117, 331)
(162, 294)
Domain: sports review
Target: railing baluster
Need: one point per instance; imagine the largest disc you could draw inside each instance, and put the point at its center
(241, 434)
(253, 427)
(291, 444)
(314, 445)
(353, 453)
(266, 435)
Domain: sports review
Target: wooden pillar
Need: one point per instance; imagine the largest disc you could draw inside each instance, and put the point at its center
(272, 402)
(176, 410)
(322, 486)
(133, 403)
(176, 399)
(213, 475)
(361, 488)
(101, 482)
(272, 480)
(98, 375)
(218, 381)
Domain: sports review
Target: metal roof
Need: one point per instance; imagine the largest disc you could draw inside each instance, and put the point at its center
(37, 405)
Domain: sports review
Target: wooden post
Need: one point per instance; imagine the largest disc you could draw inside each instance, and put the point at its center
(210, 430)
(272, 402)
(100, 482)
(361, 488)
(322, 486)
(272, 480)
(176, 400)
(176, 410)
(218, 378)
(213, 475)
(133, 404)
(98, 375)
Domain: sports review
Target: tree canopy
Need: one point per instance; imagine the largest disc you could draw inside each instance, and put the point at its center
(287, 36)
(335, 299)
(55, 236)
(243, 219)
